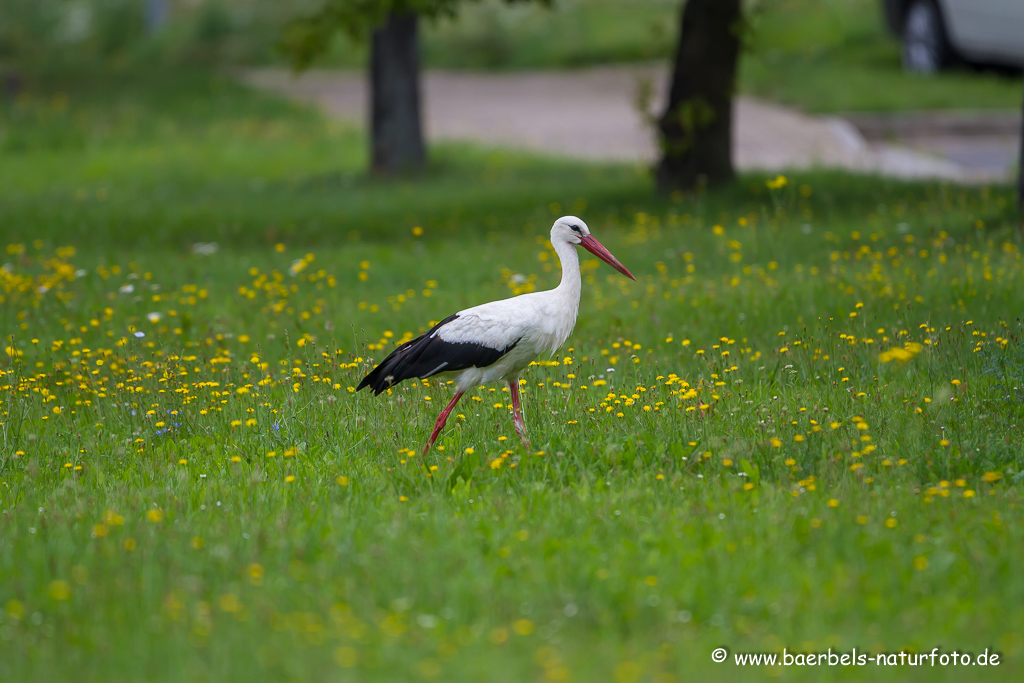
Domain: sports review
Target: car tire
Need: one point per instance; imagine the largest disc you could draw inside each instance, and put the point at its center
(926, 47)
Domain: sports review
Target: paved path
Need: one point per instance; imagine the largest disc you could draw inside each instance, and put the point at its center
(592, 114)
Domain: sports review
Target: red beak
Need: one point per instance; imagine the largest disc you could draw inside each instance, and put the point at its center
(598, 250)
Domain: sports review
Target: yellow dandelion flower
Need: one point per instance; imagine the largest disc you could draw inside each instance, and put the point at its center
(230, 603)
(523, 627)
(60, 590)
(111, 518)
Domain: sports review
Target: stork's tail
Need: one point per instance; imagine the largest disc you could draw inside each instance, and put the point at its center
(392, 369)
(401, 364)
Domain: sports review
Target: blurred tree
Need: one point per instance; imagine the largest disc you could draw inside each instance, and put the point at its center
(396, 133)
(696, 127)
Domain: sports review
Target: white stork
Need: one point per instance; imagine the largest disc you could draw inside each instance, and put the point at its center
(497, 340)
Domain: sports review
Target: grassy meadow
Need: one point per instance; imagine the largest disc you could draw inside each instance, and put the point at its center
(800, 428)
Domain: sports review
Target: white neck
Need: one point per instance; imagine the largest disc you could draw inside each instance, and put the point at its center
(561, 304)
(569, 287)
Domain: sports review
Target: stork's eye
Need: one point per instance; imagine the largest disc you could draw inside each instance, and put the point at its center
(576, 229)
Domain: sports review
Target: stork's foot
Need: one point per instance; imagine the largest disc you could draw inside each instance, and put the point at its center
(433, 435)
(517, 413)
(442, 420)
(521, 430)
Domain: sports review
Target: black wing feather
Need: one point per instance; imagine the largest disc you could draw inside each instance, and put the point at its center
(428, 355)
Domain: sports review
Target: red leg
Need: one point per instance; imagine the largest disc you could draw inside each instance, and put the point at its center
(517, 414)
(442, 419)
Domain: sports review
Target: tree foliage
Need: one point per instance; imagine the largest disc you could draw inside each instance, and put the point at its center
(307, 37)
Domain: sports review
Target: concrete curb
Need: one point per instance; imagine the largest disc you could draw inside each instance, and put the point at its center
(912, 124)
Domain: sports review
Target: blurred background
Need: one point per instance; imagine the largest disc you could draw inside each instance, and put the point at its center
(791, 34)
(915, 92)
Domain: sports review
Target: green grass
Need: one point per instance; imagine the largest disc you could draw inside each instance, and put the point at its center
(149, 531)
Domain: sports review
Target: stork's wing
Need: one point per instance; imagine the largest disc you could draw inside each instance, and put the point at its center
(467, 339)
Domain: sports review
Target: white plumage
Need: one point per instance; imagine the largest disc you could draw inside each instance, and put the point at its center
(496, 341)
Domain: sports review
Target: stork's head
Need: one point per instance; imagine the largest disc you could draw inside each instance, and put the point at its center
(572, 230)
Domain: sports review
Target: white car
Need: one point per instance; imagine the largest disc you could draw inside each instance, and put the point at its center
(937, 33)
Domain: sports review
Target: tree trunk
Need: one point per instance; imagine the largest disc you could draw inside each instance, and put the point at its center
(696, 128)
(396, 134)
